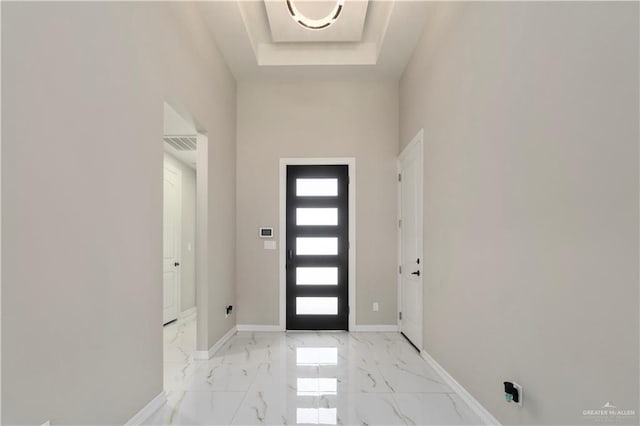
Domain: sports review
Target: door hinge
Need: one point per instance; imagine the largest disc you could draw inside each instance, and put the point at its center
(348, 180)
(399, 177)
(400, 316)
(400, 223)
(400, 269)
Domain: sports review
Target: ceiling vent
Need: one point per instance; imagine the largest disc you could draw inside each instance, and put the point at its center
(181, 142)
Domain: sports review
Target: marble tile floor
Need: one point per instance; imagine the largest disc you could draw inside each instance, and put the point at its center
(179, 344)
(332, 378)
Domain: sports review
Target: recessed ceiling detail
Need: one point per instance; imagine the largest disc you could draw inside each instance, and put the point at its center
(315, 24)
(290, 21)
(265, 39)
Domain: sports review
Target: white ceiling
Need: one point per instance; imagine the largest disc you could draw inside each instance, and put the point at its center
(261, 41)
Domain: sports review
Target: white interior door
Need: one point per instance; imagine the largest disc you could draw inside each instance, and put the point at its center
(171, 242)
(411, 261)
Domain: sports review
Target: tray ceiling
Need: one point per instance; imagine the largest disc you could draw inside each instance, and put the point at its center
(349, 26)
(370, 39)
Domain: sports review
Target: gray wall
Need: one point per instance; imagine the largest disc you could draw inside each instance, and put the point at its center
(530, 114)
(84, 84)
(188, 233)
(347, 119)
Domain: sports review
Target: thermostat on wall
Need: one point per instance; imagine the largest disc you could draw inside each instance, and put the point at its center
(266, 232)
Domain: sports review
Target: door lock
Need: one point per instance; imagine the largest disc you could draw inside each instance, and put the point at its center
(416, 273)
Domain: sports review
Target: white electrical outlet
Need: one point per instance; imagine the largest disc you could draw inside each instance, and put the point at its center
(376, 307)
(519, 389)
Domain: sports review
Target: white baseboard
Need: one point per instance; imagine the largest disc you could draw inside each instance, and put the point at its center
(205, 355)
(375, 328)
(187, 314)
(485, 416)
(147, 411)
(254, 327)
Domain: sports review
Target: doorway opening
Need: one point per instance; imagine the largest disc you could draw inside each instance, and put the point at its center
(180, 188)
(317, 222)
(410, 238)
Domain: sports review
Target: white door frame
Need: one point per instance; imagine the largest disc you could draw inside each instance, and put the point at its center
(351, 162)
(417, 143)
(201, 242)
(178, 294)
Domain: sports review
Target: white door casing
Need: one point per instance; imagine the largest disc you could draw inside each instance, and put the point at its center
(412, 263)
(171, 242)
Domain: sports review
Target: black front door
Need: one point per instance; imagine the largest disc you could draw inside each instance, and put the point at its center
(317, 247)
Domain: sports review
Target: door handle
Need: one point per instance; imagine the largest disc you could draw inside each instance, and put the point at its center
(416, 273)
(289, 258)
(176, 264)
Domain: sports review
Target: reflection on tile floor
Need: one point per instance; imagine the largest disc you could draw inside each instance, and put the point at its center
(333, 378)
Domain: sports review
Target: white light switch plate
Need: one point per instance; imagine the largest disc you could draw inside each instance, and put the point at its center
(270, 245)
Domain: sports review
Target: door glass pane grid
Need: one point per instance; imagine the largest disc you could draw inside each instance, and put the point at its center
(316, 276)
(316, 306)
(316, 187)
(316, 254)
(317, 246)
(317, 216)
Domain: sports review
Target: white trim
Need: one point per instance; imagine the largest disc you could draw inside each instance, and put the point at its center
(205, 355)
(255, 327)
(485, 416)
(417, 143)
(0, 226)
(178, 232)
(202, 241)
(187, 314)
(398, 246)
(375, 328)
(351, 162)
(147, 411)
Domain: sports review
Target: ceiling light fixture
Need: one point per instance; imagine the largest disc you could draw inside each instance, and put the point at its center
(315, 24)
